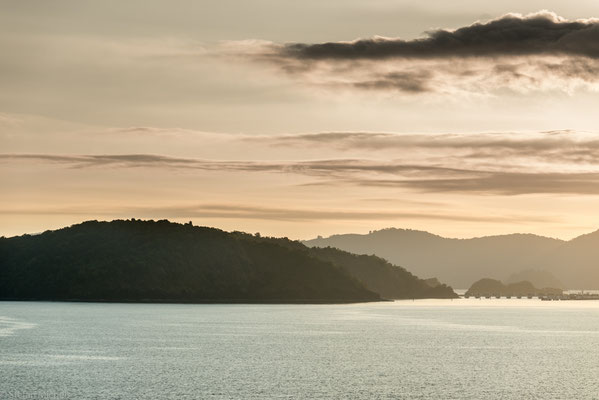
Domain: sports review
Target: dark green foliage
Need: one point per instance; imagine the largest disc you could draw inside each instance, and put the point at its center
(390, 281)
(162, 261)
(138, 260)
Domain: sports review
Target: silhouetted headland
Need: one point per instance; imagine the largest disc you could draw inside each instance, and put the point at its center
(160, 261)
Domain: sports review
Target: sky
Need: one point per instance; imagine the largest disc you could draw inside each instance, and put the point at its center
(299, 119)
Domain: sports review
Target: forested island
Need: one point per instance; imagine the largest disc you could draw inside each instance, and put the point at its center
(160, 261)
(493, 287)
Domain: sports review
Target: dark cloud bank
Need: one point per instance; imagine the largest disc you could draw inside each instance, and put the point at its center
(540, 50)
(511, 35)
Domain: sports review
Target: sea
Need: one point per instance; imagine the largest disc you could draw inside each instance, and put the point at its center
(422, 349)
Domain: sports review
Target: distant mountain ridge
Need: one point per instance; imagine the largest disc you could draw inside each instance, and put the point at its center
(541, 278)
(135, 260)
(460, 262)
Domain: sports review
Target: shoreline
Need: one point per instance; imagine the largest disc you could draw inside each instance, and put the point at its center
(199, 301)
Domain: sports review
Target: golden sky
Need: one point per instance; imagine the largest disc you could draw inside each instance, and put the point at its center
(301, 118)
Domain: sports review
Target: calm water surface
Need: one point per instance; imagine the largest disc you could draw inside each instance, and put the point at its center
(439, 349)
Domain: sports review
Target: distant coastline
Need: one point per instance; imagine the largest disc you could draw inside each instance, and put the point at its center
(200, 301)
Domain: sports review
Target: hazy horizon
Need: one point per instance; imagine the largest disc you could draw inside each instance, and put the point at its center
(363, 233)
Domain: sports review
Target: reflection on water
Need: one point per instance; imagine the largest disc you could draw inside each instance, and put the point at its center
(8, 326)
(449, 349)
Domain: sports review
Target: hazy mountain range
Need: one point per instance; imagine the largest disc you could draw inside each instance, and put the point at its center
(544, 261)
(136, 260)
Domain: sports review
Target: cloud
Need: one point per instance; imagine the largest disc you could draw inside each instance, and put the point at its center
(487, 178)
(329, 168)
(518, 52)
(405, 81)
(542, 33)
(542, 147)
(498, 183)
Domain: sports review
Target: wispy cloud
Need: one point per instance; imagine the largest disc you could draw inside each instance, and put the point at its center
(314, 168)
(498, 183)
(556, 147)
(358, 172)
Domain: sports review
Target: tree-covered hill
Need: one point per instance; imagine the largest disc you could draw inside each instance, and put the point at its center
(161, 261)
(390, 281)
(134, 260)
